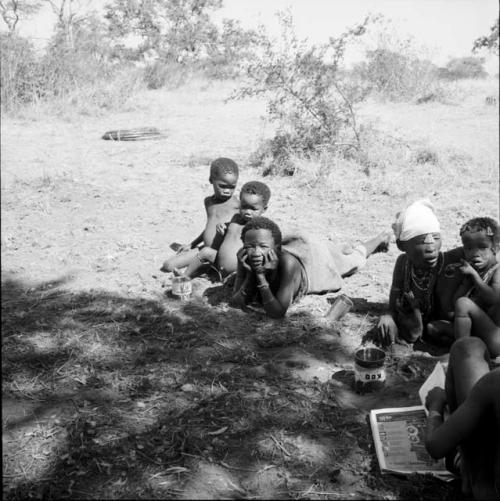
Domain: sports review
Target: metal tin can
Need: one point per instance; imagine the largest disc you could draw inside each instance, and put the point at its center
(369, 369)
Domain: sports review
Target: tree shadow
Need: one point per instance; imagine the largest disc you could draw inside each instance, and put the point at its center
(143, 386)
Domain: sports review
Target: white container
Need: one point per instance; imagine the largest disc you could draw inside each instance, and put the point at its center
(181, 286)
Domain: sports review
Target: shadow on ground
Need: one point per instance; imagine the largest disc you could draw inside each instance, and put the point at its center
(109, 396)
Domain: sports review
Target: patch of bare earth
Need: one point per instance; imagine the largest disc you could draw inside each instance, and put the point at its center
(113, 388)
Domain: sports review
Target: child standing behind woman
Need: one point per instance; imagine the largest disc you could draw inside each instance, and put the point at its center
(477, 306)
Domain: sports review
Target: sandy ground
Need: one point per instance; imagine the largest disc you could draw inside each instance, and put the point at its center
(87, 221)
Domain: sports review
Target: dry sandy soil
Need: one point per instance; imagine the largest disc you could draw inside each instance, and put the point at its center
(114, 388)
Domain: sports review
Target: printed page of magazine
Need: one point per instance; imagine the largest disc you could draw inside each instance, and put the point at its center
(399, 432)
(398, 435)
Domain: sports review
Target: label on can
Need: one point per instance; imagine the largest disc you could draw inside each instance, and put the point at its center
(182, 288)
(363, 375)
(185, 288)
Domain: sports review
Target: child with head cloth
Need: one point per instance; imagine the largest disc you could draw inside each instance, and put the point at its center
(418, 274)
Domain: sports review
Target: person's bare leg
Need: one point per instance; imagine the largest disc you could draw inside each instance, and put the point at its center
(469, 361)
(470, 319)
(382, 239)
(204, 257)
(179, 260)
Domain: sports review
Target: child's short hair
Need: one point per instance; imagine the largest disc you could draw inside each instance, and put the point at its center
(257, 188)
(221, 166)
(263, 223)
(486, 224)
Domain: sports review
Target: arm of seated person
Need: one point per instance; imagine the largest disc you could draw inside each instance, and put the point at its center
(289, 276)
(462, 289)
(489, 293)
(208, 202)
(244, 281)
(442, 437)
(387, 330)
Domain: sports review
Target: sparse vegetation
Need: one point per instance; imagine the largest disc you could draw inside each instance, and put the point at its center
(113, 388)
(463, 68)
(307, 97)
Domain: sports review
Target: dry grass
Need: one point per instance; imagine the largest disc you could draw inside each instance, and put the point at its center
(112, 388)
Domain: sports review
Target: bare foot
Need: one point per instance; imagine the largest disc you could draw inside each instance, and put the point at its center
(385, 239)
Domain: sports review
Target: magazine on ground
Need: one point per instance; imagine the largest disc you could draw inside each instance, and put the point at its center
(398, 434)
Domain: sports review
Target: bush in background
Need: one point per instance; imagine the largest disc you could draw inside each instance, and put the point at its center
(395, 75)
(87, 67)
(463, 68)
(19, 67)
(307, 96)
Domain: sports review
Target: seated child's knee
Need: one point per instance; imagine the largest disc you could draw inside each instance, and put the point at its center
(204, 254)
(463, 306)
(468, 346)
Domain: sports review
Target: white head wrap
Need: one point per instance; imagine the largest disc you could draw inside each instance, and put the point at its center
(419, 218)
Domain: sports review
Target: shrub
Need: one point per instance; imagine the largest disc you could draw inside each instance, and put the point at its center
(307, 96)
(80, 72)
(462, 68)
(397, 76)
(19, 70)
(425, 155)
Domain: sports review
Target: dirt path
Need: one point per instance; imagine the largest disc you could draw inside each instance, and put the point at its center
(112, 388)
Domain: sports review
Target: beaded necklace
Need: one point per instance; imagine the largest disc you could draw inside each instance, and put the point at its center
(422, 281)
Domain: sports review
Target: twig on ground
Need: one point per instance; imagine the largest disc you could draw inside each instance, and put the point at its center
(279, 445)
(150, 459)
(228, 466)
(361, 325)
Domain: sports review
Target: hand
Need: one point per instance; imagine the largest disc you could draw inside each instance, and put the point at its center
(387, 330)
(271, 260)
(466, 268)
(256, 261)
(183, 248)
(409, 300)
(243, 258)
(221, 228)
(436, 399)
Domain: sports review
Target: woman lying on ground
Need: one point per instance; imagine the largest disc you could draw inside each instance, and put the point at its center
(276, 271)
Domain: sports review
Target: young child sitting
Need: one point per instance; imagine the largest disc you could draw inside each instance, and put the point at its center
(277, 271)
(254, 199)
(418, 274)
(220, 208)
(470, 437)
(477, 306)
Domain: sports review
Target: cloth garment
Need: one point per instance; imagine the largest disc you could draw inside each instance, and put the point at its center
(324, 263)
(419, 218)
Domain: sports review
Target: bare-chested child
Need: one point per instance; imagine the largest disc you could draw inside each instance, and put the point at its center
(220, 208)
(276, 276)
(477, 306)
(470, 437)
(254, 199)
(420, 275)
